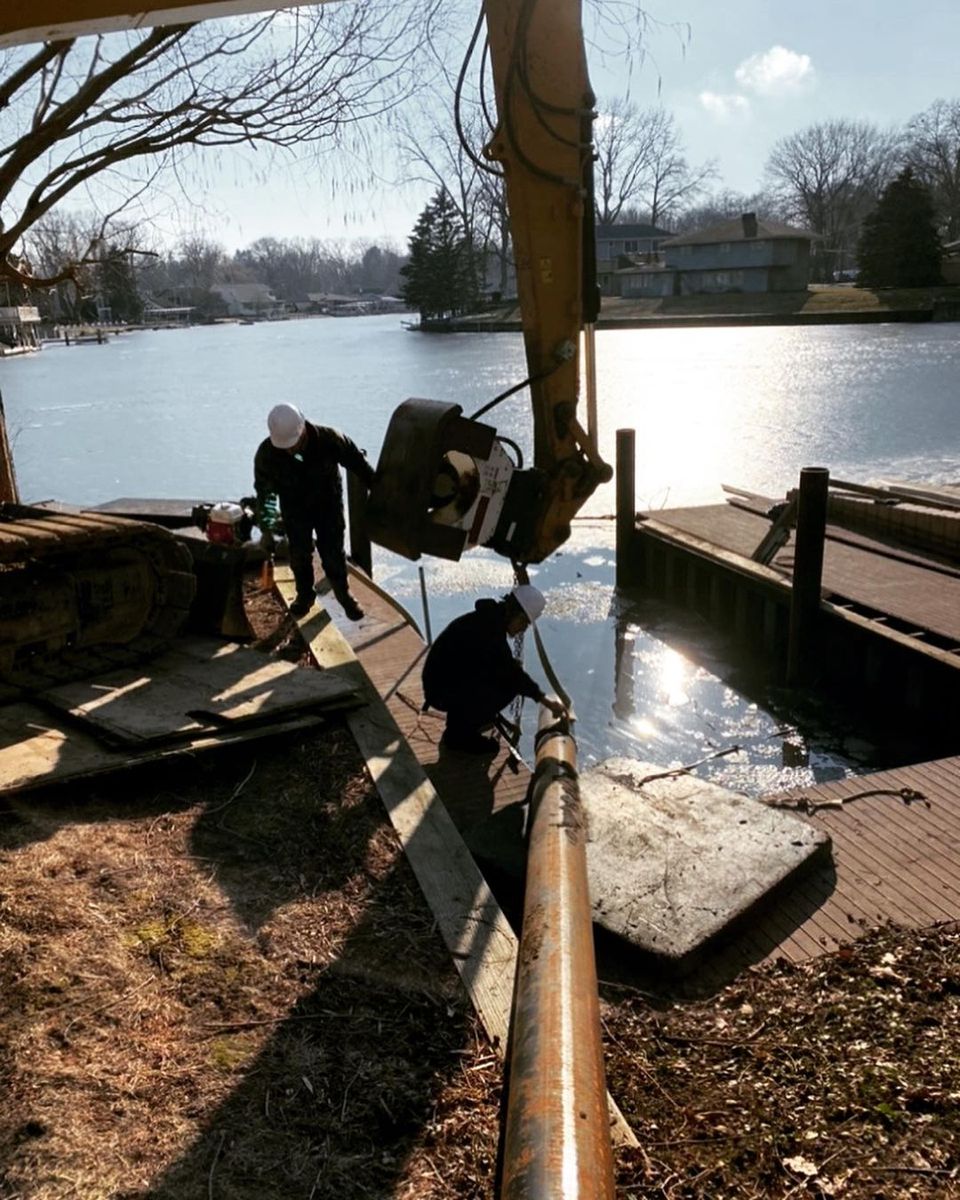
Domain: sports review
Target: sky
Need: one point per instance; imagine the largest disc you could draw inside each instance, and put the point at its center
(737, 76)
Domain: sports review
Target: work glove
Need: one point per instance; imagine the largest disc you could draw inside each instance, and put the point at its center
(268, 513)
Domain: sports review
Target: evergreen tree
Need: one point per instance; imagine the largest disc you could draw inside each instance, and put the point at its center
(899, 244)
(440, 279)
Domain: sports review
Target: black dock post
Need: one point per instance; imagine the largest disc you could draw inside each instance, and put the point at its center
(361, 551)
(807, 572)
(626, 502)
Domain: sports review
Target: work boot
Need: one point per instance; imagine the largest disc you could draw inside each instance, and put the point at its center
(347, 602)
(301, 606)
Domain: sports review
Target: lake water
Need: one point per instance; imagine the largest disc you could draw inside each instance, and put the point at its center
(179, 413)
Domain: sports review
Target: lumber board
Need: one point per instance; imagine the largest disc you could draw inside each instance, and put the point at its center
(37, 749)
(477, 934)
(196, 687)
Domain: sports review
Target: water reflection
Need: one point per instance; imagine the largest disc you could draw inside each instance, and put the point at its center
(683, 696)
(646, 682)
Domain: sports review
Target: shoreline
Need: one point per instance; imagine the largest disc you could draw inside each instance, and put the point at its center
(820, 305)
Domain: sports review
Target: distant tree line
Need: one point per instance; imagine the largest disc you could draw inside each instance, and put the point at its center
(116, 274)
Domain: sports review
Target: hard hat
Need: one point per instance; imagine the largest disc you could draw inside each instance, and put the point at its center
(286, 425)
(530, 600)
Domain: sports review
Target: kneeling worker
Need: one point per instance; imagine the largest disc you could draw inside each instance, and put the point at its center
(470, 672)
(300, 463)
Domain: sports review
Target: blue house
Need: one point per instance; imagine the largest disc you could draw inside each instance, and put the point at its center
(739, 255)
(621, 246)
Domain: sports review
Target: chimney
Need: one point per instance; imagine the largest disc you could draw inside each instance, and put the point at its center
(749, 221)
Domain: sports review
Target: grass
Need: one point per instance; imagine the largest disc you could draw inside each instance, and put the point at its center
(819, 300)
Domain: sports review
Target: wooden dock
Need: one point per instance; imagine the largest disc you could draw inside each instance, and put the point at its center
(888, 625)
(894, 860)
(917, 594)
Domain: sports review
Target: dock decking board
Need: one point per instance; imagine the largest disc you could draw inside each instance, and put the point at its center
(856, 568)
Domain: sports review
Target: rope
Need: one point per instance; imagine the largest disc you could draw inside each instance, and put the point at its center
(804, 804)
(521, 576)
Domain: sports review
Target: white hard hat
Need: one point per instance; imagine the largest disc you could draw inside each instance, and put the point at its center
(286, 425)
(530, 600)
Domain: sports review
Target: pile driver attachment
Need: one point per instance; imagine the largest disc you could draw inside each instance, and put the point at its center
(446, 484)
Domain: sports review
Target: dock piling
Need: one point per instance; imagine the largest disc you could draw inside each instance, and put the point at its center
(626, 502)
(807, 572)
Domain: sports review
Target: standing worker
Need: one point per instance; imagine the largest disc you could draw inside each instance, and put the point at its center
(470, 672)
(299, 464)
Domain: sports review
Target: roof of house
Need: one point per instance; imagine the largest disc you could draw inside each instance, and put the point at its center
(609, 233)
(734, 231)
(241, 293)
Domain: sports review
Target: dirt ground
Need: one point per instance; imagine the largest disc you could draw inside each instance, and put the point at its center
(220, 979)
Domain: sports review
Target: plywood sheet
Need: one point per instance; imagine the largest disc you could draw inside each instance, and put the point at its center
(38, 749)
(199, 687)
(674, 860)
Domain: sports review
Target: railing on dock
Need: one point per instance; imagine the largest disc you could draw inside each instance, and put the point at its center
(557, 1133)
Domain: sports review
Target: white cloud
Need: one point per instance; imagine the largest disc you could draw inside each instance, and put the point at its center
(725, 106)
(776, 72)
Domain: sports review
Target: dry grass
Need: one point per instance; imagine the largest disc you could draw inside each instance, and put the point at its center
(220, 980)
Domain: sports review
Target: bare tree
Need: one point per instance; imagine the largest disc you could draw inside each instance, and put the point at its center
(71, 248)
(723, 205)
(672, 181)
(119, 107)
(933, 151)
(641, 163)
(828, 177)
(449, 158)
(624, 139)
(201, 261)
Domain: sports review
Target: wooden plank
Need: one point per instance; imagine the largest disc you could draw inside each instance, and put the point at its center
(200, 685)
(925, 596)
(37, 750)
(478, 935)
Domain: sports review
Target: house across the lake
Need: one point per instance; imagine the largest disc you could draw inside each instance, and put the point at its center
(19, 328)
(247, 299)
(620, 246)
(740, 255)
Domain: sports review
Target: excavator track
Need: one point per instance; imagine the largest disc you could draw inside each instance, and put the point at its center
(81, 592)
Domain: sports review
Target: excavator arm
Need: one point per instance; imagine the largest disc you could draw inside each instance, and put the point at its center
(544, 144)
(445, 483)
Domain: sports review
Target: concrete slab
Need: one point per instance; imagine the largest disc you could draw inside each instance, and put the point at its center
(674, 862)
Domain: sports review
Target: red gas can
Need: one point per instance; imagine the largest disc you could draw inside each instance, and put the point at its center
(222, 522)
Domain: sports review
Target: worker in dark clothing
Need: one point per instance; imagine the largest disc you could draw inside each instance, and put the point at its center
(299, 464)
(470, 672)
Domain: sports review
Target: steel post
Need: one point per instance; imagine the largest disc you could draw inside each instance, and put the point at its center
(557, 1134)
